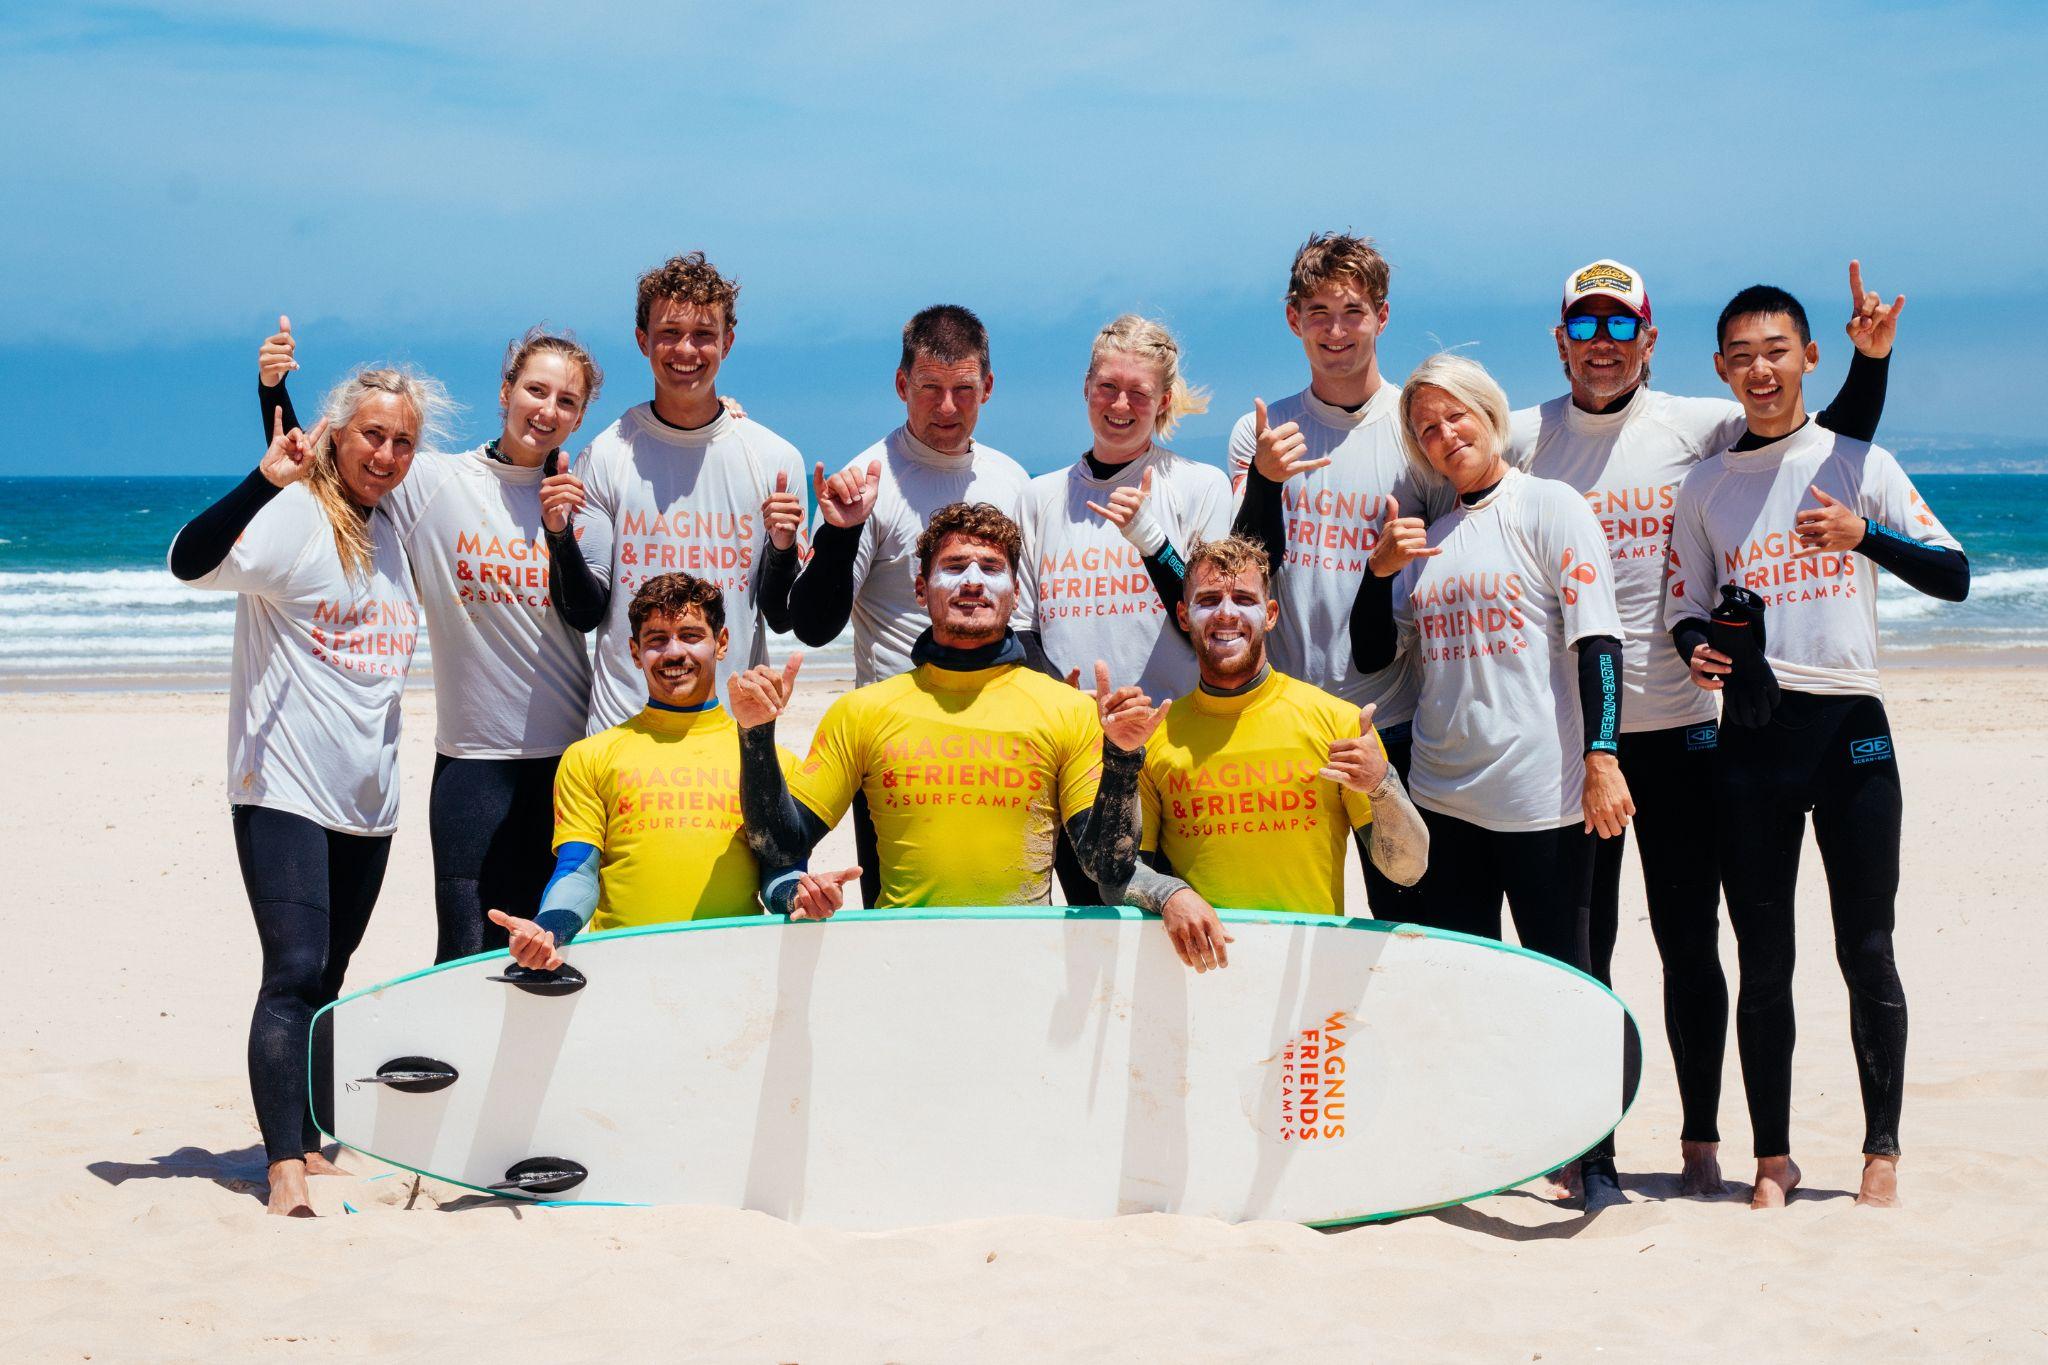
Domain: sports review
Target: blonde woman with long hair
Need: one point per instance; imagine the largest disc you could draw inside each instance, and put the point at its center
(1104, 538)
(325, 625)
(512, 675)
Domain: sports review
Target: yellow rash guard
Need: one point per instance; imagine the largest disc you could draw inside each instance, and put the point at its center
(659, 796)
(1231, 797)
(968, 776)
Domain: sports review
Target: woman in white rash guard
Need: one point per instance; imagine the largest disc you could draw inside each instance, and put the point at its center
(325, 627)
(512, 677)
(1104, 539)
(1508, 603)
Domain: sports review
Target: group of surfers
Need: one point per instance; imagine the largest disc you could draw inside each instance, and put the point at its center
(1477, 642)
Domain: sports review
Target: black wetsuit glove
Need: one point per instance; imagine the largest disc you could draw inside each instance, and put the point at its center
(1737, 629)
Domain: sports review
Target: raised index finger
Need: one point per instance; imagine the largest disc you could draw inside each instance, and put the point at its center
(1258, 414)
(789, 670)
(1856, 284)
(1101, 681)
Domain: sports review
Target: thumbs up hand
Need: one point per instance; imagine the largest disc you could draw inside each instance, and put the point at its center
(274, 357)
(1357, 764)
(1130, 511)
(561, 494)
(783, 511)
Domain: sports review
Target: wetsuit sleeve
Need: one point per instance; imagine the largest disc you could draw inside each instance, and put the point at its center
(1935, 570)
(272, 399)
(579, 595)
(1860, 401)
(821, 598)
(1688, 635)
(780, 831)
(1600, 693)
(205, 541)
(1374, 637)
(1105, 836)
(1169, 574)
(1397, 841)
(1262, 517)
(778, 574)
(570, 898)
(1902, 534)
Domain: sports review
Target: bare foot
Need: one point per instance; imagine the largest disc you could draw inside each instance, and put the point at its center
(1776, 1178)
(317, 1164)
(1880, 1183)
(288, 1190)
(1700, 1175)
(1563, 1185)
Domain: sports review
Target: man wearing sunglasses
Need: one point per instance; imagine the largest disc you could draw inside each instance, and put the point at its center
(1625, 446)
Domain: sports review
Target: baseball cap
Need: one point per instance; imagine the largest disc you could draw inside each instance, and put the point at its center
(1607, 279)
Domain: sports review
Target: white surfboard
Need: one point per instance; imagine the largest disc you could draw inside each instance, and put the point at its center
(893, 1068)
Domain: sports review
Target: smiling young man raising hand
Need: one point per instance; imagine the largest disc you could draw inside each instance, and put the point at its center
(1256, 781)
(647, 813)
(1775, 547)
(971, 761)
(1625, 446)
(1320, 474)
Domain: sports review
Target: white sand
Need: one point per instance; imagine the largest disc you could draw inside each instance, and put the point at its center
(131, 1225)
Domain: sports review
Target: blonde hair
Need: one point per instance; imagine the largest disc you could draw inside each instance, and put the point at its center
(1467, 381)
(1148, 340)
(431, 408)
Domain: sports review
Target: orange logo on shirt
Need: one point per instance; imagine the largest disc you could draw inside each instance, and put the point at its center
(1584, 572)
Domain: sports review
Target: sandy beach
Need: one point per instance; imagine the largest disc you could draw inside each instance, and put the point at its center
(132, 1227)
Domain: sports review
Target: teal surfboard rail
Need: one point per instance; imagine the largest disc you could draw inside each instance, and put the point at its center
(1062, 913)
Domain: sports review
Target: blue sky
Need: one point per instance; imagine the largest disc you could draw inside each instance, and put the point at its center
(424, 181)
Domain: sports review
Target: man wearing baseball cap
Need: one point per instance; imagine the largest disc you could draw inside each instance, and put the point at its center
(1625, 446)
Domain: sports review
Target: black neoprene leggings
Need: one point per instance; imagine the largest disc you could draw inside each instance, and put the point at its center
(312, 891)
(1671, 776)
(1545, 874)
(1832, 756)
(492, 821)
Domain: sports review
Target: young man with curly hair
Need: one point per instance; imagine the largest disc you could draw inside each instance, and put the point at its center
(678, 484)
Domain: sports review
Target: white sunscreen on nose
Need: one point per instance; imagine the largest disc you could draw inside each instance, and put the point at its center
(952, 580)
(1250, 616)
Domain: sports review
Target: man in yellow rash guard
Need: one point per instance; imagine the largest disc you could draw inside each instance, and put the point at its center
(971, 761)
(1254, 785)
(647, 813)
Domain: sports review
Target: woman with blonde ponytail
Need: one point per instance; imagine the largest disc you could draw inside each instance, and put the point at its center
(1104, 538)
(325, 626)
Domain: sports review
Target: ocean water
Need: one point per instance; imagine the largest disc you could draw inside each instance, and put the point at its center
(84, 591)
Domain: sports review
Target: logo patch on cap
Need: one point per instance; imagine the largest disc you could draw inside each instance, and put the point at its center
(1603, 275)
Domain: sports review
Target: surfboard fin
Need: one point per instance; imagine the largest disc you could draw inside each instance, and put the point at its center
(543, 1175)
(413, 1075)
(563, 980)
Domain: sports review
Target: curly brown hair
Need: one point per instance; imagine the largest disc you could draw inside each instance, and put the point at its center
(687, 279)
(1229, 556)
(672, 594)
(977, 521)
(1333, 256)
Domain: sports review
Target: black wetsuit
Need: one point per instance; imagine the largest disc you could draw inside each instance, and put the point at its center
(1832, 756)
